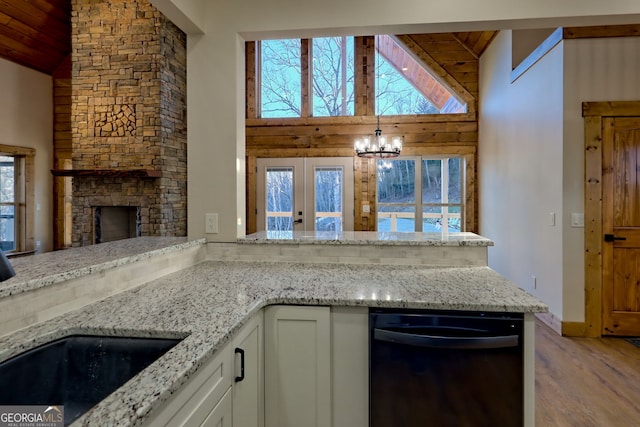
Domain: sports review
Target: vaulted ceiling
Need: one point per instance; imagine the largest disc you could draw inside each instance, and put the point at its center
(35, 33)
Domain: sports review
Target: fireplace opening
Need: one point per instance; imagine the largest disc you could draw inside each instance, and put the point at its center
(116, 223)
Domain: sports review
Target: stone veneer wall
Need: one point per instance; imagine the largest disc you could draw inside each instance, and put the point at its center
(128, 114)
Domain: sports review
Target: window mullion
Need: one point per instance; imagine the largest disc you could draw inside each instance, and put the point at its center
(444, 192)
(306, 71)
(418, 193)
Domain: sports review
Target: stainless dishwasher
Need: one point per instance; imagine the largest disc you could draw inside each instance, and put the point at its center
(445, 368)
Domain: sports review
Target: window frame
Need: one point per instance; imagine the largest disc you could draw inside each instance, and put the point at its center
(24, 192)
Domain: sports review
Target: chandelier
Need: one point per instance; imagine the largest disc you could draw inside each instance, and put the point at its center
(378, 147)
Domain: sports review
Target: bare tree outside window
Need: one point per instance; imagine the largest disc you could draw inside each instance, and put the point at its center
(280, 78)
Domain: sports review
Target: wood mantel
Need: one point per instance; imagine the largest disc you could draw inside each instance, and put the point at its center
(120, 173)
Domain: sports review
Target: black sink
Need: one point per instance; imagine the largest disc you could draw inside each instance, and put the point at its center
(76, 371)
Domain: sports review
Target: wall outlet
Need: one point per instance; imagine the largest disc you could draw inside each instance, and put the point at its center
(211, 223)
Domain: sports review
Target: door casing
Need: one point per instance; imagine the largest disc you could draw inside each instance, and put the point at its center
(594, 114)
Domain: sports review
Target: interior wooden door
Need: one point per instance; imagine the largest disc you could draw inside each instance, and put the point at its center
(621, 226)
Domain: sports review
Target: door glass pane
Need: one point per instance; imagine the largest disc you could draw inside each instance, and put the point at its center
(396, 181)
(279, 199)
(396, 218)
(328, 190)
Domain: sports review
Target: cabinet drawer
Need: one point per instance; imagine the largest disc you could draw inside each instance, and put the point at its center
(195, 400)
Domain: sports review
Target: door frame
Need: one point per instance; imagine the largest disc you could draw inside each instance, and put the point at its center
(594, 114)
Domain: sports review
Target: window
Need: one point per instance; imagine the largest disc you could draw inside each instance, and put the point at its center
(406, 86)
(16, 184)
(280, 65)
(331, 67)
(333, 76)
(430, 189)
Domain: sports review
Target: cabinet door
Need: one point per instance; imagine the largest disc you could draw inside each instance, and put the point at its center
(221, 415)
(297, 366)
(248, 396)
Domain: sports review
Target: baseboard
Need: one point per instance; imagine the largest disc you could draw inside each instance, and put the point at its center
(566, 329)
(551, 320)
(574, 329)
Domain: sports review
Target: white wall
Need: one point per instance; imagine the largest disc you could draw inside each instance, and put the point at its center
(520, 169)
(574, 72)
(594, 70)
(215, 75)
(26, 120)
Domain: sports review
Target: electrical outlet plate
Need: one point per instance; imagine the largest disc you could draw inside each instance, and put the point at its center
(211, 223)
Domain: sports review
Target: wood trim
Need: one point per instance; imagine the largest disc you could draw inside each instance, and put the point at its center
(631, 30)
(594, 114)
(464, 45)
(544, 48)
(251, 58)
(305, 79)
(611, 109)
(593, 225)
(574, 329)
(368, 120)
(250, 196)
(121, 173)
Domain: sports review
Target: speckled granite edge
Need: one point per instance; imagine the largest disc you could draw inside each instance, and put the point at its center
(45, 269)
(367, 238)
(209, 302)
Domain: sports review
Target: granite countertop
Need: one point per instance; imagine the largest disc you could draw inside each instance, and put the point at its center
(377, 238)
(208, 302)
(45, 269)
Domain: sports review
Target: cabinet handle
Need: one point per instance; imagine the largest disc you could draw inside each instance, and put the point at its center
(241, 353)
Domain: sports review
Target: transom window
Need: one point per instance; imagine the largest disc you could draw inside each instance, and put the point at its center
(316, 77)
(420, 194)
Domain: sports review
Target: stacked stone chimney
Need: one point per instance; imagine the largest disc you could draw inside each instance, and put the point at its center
(128, 116)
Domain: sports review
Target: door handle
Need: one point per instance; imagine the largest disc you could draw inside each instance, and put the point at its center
(241, 353)
(611, 238)
(298, 221)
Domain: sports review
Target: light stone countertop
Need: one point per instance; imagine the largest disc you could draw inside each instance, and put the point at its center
(376, 238)
(37, 271)
(208, 302)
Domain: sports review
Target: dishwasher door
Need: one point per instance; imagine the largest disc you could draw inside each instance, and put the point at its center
(445, 369)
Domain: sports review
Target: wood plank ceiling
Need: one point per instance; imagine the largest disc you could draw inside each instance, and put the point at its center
(35, 33)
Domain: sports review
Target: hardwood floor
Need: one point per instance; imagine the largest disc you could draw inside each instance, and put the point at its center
(586, 382)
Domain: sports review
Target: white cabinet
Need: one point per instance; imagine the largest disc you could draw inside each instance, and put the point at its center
(213, 396)
(221, 415)
(350, 366)
(297, 366)
(248, 387)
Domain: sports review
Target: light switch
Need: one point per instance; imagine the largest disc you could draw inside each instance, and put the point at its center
(552, 219)
(577, 219)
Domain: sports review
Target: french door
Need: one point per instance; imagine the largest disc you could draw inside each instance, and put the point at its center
(305, 194)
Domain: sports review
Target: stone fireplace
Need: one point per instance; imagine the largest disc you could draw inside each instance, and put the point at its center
(128, 118)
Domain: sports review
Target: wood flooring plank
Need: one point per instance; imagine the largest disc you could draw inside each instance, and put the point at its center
(586, 382)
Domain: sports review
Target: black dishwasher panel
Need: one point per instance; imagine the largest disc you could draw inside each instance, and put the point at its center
(445, 368)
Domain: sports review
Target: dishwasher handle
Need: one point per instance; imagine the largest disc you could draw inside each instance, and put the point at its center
(434, 341)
